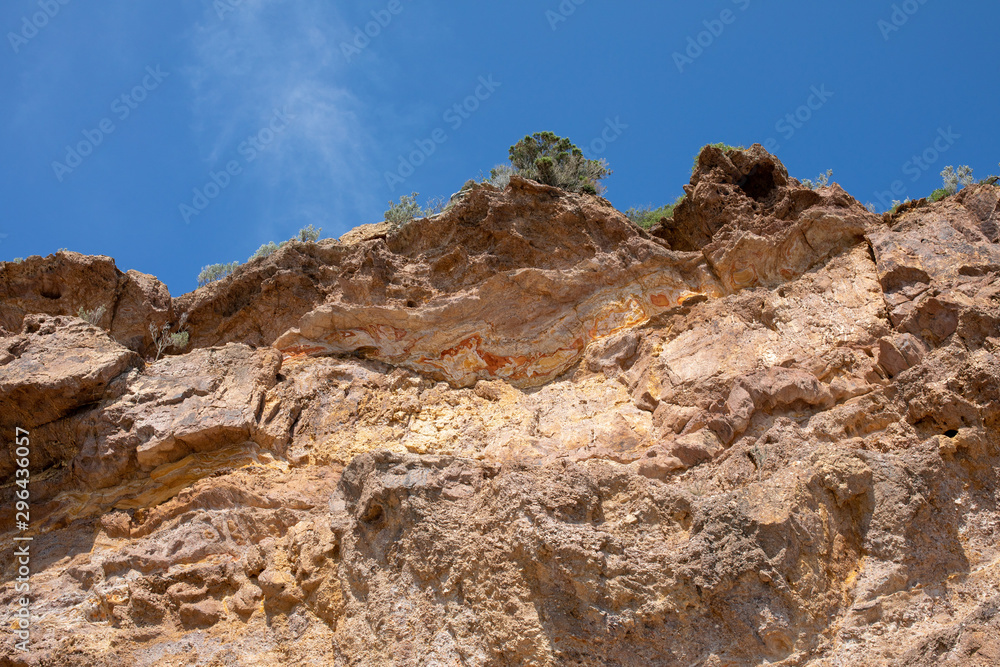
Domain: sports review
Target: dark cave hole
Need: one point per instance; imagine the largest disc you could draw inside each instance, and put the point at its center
(951, 433)
(759, 183)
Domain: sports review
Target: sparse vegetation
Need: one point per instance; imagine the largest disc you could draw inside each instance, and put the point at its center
(408, 209)
(896, 204)
(647, 216)
(554, 160)
(18, 260)
(500, 176)
(163, 339)
(821, 181)
(91, 316)
(265, 250)
(214, 272)
(435, 206)
(990, 180)
(938, 194)
(398, 214)
(724, 147)
(953, 178)
(309, 234)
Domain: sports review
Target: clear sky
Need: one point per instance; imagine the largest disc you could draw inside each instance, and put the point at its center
(172, 135)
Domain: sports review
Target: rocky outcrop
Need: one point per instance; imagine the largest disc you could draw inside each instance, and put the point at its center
(757, 226)
(113, 431)
(63, 283)
(525, 432)
(510, 286)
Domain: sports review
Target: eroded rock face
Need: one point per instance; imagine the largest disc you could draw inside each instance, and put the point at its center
(755, 225)
(511, 286)
(56, 367)
(524, 432)
(63, 283)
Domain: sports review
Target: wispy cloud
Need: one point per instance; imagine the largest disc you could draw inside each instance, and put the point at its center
(268, 55)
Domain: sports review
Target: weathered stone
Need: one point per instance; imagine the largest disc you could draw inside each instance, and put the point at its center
(63, 283)
(202, 614)
(807, 450)
(57, 366)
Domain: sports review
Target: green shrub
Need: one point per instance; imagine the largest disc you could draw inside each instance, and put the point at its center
(647, 216)
(724, 147)
(821, 181)
(938, 194)
(91, 316)
(309, 234)
(553, 160)
(214, 272)
(18, 260)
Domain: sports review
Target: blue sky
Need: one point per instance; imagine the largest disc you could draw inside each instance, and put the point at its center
(282, 112)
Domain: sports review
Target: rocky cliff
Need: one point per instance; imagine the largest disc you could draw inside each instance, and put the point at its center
(525, 432)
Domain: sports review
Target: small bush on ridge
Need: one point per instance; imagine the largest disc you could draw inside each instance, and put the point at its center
(309, 234)
(647, 216)
(500, 176)
(821, 181)
(214, 272)
(554, 160)
(953, 178)
(265, 250)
